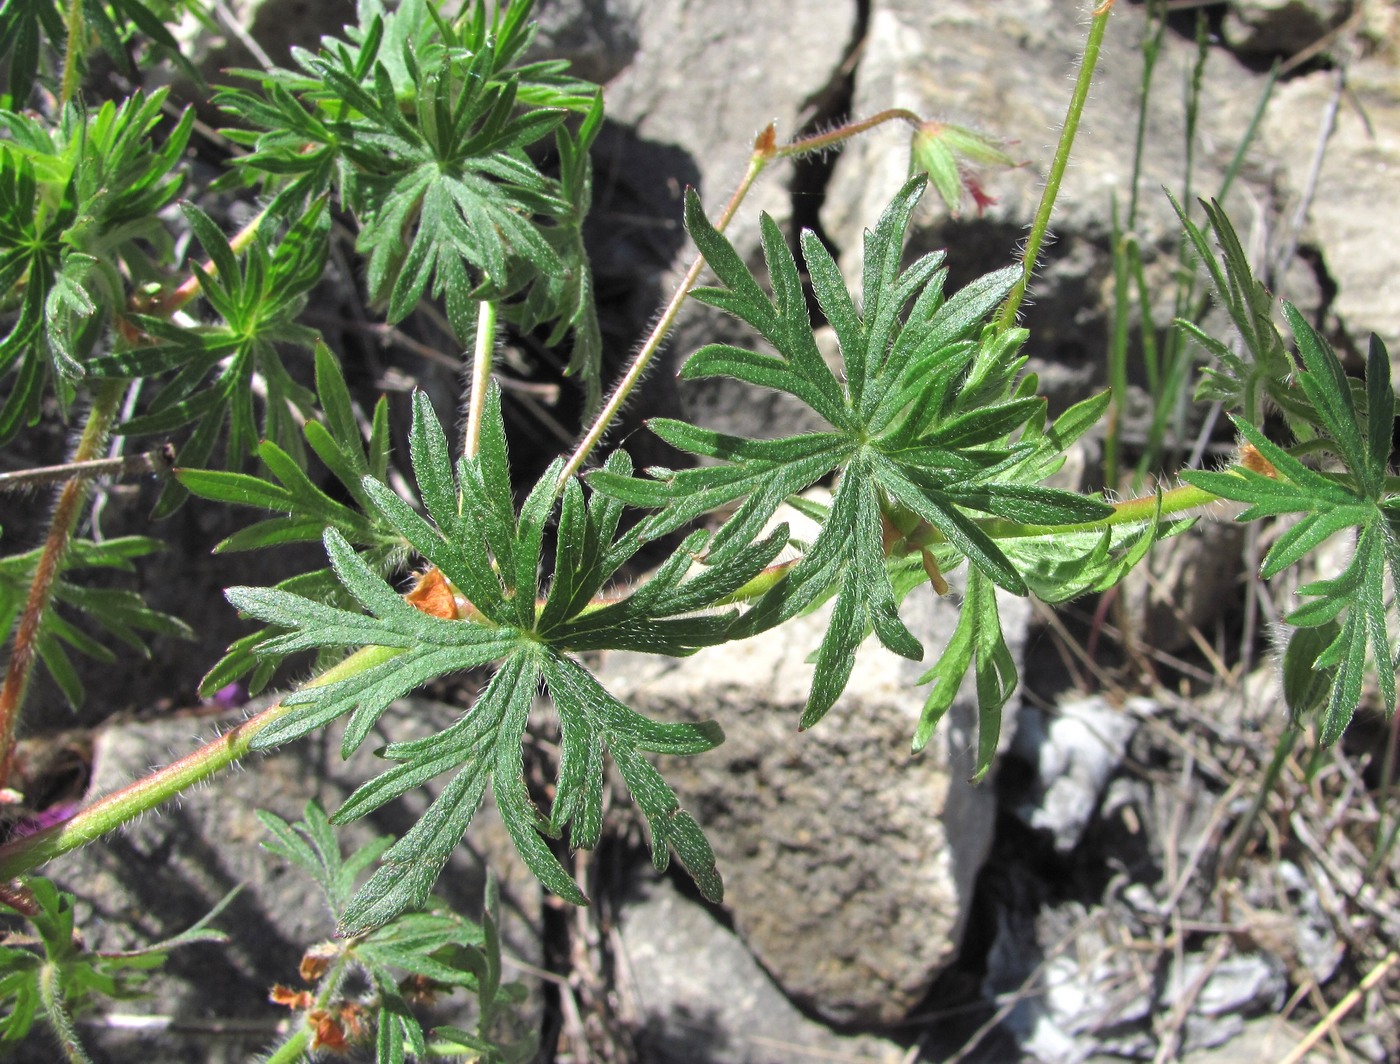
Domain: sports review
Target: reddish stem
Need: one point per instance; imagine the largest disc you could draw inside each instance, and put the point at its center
(65, 518)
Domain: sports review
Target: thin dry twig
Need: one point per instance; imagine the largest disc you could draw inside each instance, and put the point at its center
(158, 461)
(1339, 1011)
(1169, 1034)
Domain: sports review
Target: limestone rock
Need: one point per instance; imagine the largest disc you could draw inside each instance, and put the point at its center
(598, 37)
(1074, 750)
(718, 1005)
(703, 84)
(708, 81)
(1356, 204)
(1006, 68)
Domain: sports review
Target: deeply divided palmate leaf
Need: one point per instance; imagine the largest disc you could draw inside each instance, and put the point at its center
(506, 613)
(211, 369)
(80, 200)
(930, 436)
(1350, 494)
(423, 124)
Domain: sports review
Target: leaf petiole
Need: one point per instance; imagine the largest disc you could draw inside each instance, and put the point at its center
(122, 806)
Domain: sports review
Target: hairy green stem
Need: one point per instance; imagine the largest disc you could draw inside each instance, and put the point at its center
(1129, 511)
(56, 1012)
(642, 360)
(69, 507)
(72, 55)
(481, 375)
(1075, 110)
(293, 1050)
(119, 807)
(764, 152)
(832, 137)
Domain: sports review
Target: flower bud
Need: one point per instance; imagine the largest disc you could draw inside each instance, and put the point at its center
(953, 157)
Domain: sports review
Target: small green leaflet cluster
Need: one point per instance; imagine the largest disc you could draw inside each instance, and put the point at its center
(78, 215)
(421, 126)
(533, 634)
(61, 977)
(31, 28)
(213, 366)
(1355, 425)
(1264, 378)
(305, 511)
(436, 945)
(933, 436)
(118, 614)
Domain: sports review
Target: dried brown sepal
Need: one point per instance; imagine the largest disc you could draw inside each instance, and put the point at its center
(765, 143)
(433, 595)
(1255, 462)
(292, 999)
(316, 960)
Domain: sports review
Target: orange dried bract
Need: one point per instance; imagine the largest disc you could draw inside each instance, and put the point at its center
(433, 595)
(292, 999)
(1255, 462)
(316, 960)
(329, 1033)
(335, 1030)
(353, 1019)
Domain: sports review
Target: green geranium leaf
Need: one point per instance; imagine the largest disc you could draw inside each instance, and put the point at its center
(421, 125)
(932, 436)
(1357, 500)
(504, 613)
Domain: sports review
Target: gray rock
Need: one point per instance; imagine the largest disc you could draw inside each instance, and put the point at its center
(1090, 996)
(1240, 985)
(1075, 750)
(1004, 68)
(718, 1006)
(708, 82)
(1312, 938)
(598, 37)
(848, 863)
(1357, 197)
(163, 872)
(1094, 996)
(701, 86)
(1262, 1038)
